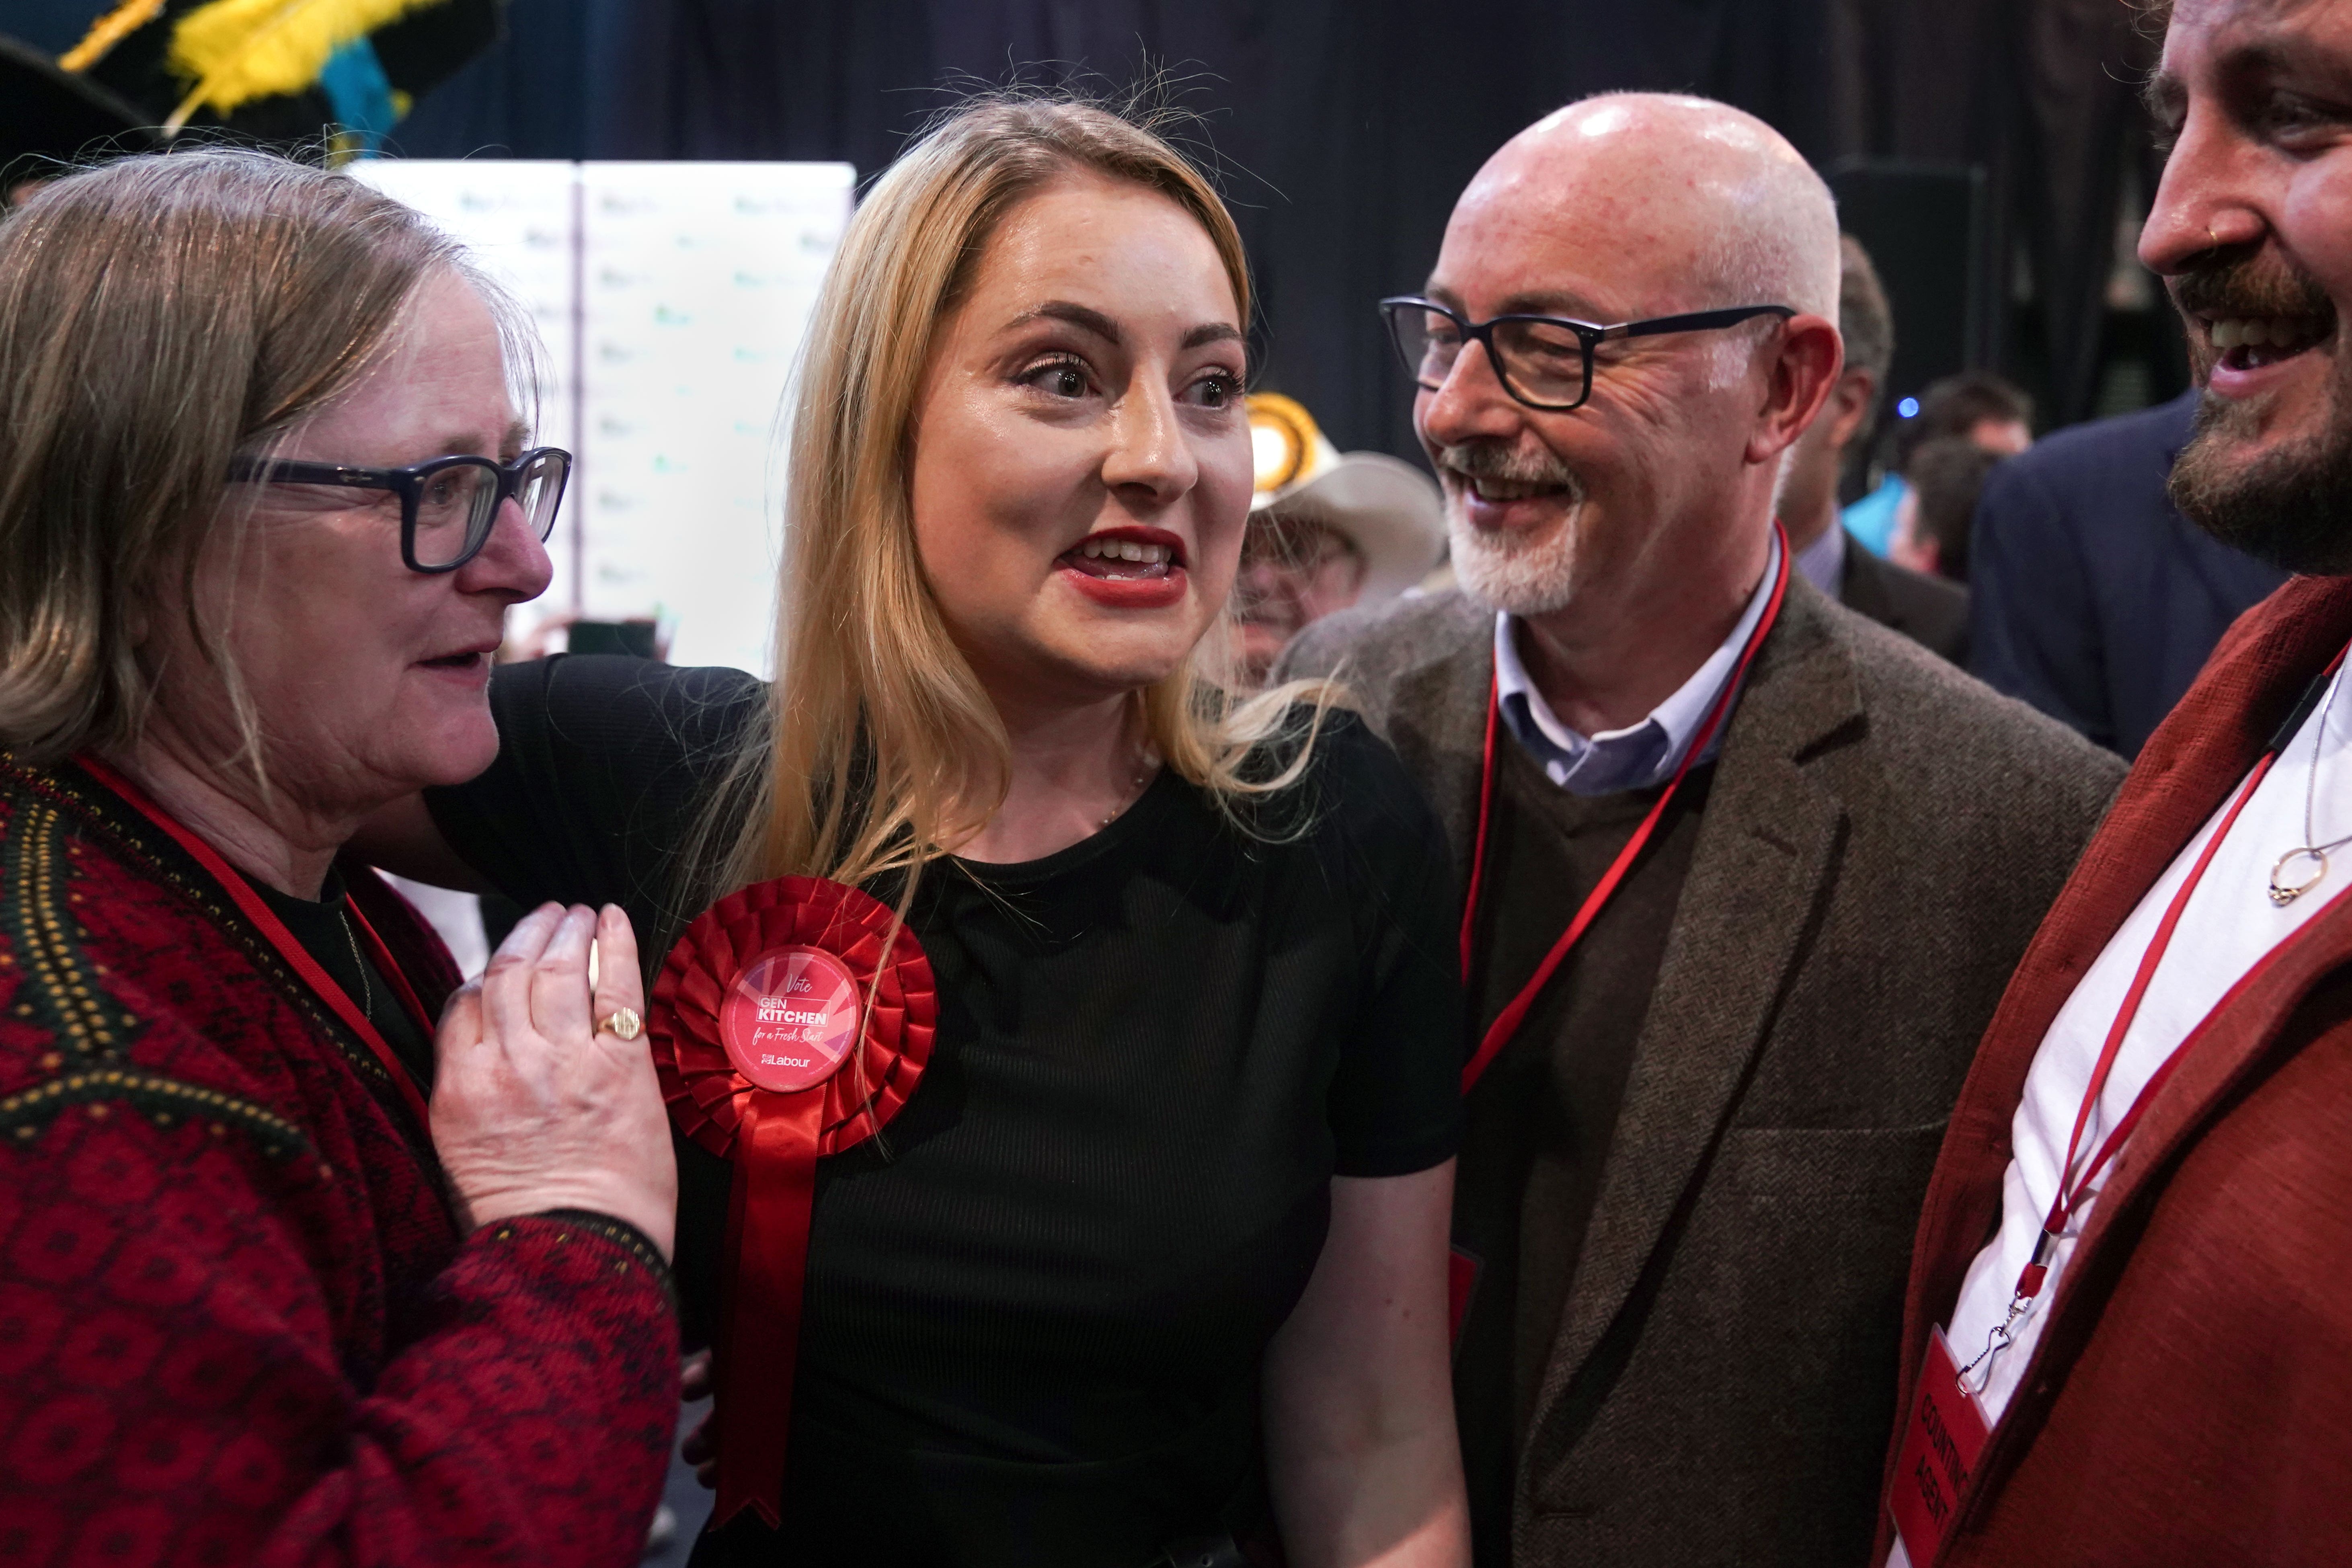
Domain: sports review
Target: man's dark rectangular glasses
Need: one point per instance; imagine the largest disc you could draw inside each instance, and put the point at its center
(1545, 362)
(449, 506)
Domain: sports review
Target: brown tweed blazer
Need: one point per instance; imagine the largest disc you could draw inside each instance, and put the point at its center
(1883, 836)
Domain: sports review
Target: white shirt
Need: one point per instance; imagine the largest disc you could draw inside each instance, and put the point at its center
(2229, 925)
(1822, 562)
(1639, 755)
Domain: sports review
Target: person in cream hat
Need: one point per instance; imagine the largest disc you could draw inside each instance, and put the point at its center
(1327, 530)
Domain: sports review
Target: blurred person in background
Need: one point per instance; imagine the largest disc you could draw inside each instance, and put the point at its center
(2093, 597)
(1976, 406)
(2125, 1335)
(1927, 609)
(1151, 1267)
(1326, 530)
(1941, 484)
(1746, 871)
(287, 1276)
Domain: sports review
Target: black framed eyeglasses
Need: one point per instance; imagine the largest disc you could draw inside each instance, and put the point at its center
(1544, 362)
(449, 506)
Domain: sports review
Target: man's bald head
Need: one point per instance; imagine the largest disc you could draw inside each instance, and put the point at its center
(1730, 213)
(1657, 488)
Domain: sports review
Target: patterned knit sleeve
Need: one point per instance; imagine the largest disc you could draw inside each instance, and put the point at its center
(205, 1359)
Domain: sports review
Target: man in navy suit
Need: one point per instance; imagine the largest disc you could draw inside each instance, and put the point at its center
(2091, 596)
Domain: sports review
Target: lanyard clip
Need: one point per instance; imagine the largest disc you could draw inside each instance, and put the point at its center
(1999, 1340)
(2029, 1285)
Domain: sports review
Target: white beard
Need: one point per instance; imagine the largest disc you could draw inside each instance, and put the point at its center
(1525, 576)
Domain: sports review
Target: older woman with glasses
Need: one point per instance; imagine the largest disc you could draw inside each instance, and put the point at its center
(285, 1275)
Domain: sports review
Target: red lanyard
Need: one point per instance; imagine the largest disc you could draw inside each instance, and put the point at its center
(266, 921)
(2072, 1194)
(1507, 1022)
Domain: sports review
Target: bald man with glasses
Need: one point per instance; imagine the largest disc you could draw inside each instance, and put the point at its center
(1745, 873)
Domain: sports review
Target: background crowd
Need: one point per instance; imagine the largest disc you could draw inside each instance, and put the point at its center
(2051, 323)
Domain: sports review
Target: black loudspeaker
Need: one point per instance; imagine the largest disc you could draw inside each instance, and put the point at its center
(1927, 230)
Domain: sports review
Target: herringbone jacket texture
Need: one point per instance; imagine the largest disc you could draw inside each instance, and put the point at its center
(1881, 837)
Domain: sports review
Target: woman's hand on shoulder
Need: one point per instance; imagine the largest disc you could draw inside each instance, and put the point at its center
(537, 1107)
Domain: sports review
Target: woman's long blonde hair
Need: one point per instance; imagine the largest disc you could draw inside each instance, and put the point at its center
(880, 750)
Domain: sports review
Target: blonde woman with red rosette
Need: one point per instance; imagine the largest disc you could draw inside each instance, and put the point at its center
(1150, 1264)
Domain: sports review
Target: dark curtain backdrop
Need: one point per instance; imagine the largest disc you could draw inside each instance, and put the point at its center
(1343, 129)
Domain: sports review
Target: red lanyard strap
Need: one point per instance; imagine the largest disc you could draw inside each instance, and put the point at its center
(1507, 1022)
(273, 930)
(2072, 1189)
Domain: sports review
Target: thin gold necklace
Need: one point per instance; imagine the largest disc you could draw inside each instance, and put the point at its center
(367, 990)
(1134, 791)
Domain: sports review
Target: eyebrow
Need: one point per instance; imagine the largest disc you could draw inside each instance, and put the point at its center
(516, 435)
(1082, 317)
(1212, 332)
(1087, 319)
(1539, 302)
(2284, 53)
(2265, 58)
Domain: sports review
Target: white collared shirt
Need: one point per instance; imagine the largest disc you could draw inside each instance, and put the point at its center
(1639, 756)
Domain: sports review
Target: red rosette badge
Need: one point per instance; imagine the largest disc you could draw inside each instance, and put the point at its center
(756, 1034)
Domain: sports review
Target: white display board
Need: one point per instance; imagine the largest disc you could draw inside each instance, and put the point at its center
(672, 298)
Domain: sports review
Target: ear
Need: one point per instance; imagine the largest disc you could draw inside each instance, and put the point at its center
(1801, 372)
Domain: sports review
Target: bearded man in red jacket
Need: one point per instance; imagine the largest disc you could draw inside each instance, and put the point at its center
(2126, 1336)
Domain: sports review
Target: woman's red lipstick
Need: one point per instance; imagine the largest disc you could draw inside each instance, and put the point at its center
(1127, 568)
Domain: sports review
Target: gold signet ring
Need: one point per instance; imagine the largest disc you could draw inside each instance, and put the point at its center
(623, 1022)
(2285, 893)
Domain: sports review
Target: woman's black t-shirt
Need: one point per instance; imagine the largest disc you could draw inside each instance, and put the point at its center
(1036, 1307)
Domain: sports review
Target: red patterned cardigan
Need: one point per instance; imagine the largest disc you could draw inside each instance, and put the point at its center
(238, 1323)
